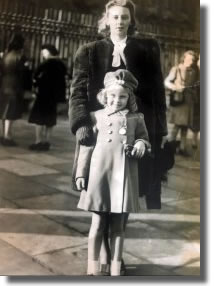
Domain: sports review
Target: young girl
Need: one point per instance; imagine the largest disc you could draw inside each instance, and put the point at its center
(110, 175)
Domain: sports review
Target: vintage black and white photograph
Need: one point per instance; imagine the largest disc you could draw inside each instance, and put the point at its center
(100, 138)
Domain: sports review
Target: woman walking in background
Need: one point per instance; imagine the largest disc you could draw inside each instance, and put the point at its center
(49, 81)
(195, 112)
(182, 81)
(12, 87)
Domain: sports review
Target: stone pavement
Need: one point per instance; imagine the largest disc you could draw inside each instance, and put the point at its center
(43, 233)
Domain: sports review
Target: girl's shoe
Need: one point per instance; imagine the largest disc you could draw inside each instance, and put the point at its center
(99, 273)
(123, 268)
(104, 270)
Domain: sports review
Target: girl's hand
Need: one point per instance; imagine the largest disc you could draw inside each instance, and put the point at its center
(80, 182)
(139, 149)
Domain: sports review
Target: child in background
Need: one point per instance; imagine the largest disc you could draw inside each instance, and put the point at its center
(107, 173)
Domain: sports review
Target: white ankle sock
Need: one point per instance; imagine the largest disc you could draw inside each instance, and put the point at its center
(93, 266)
(115, 268)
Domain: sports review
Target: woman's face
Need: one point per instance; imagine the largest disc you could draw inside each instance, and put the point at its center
(117, 98)
(45, 54)
(118, 19)
(188, 60)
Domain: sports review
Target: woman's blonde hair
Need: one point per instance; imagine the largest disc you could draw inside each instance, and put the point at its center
(103, 28)
(189, 52)
(131, 104)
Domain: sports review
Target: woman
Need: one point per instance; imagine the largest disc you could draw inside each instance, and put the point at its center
(183, 82)
(12, 88)
(195, 113)
(49, 80)
(141, 57)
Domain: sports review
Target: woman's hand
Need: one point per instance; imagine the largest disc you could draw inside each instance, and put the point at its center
(80, 182)
(85, 135)
(139, 149)
(180, 88)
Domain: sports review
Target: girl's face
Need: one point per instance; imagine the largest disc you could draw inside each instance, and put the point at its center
(118, 19)
(117, 98)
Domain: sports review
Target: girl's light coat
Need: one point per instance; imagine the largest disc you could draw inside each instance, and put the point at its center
(113, 177)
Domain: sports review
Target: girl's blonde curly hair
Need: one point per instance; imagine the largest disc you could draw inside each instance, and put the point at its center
(131, 104)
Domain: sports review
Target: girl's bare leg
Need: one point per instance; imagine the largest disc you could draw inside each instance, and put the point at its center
(94, 241)
(116, 241)
(105, 253)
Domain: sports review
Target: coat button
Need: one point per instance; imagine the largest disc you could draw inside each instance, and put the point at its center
(109, 124)
(109, 140)
(110, 132)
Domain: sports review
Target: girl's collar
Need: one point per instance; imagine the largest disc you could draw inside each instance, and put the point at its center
(109, 111)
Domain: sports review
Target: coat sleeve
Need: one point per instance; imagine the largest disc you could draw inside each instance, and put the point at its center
(171, 78)
(84, 159)
(159, 92)
(78, 102)
(141, 132)
(85, 153)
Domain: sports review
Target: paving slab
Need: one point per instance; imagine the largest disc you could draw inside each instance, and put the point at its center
(80, 224)
(69, 261)
(15, 262)
(189, 206)
(15, 187)
(186, 173)
(23, 168)
(186, 229)
(34, 234)
(191, 269)
(141, 267)
(179, 184)
(49, 202)
(6, 204)
(159, 246)
(189, 164)
(60, 182)
(169, 195)
(65, 168)
(167, 252)
(44, 160)
(8, 152)
(141, 230)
